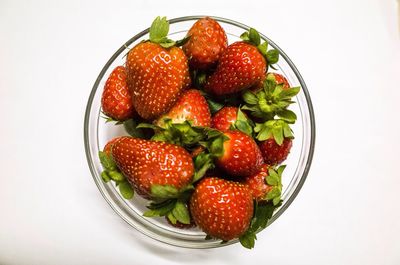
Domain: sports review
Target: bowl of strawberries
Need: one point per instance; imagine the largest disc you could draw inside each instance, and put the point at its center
(199, 132)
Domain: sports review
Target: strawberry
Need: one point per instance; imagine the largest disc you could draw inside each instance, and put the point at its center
(109, 145)
(191, 106)
(241, 66)
(157, 72)
(275, 137)
(222, 208)
(207, 42)
(225, 118)
(241, 155)
(257, 183)
(273, 153)
(146, 163)
(281, 80)
(116, 100)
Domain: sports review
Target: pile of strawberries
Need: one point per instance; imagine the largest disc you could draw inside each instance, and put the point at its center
(209, 127)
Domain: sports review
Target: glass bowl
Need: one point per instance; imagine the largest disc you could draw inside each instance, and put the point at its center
(97, 133)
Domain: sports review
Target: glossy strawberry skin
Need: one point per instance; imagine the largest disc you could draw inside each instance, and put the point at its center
(224, 118)
(241, 157)
(108, 147)
(281, 80)
(241, 66)
(257, 185)
(273, 153)
(206, 44)
(116, 101)
(191, 106)
(222, 208)
(156, 78)
(146, 162)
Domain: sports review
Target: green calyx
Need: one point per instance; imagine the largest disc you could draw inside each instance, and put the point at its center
(276, 129)
(170, 202)
(263, 212)
(183, 134)
(243, 123)
(271, 100)
(274, 179)
(174, 209)
(253, 37)
(111, 172)
(159, 31)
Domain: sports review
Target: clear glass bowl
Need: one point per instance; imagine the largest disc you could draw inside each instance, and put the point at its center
(97, 133)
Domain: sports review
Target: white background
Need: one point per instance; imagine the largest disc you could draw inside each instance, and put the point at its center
(349, 55)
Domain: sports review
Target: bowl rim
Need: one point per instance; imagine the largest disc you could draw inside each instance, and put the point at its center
(303, 178)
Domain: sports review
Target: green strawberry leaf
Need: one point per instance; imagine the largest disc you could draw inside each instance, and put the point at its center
(272, 56)
(290, 92)
(107, 161)
(250, 98)
(164, 191)
(105, 177)
(116, 175)
(263, 47)
(287, 115)
(243, 124)
(248, 240)
(214, 105)
(167, 43)
(126, 190)
(159, 29)
(273, 179)
(160, 209)
(202, 163)
(245, 36)
(254, 37)
(277, 132)
(182, 41)
(181, 213)
(262, 214)
(171, 218)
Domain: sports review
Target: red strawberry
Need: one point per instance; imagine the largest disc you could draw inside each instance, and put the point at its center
(257, 185)
(116, 100)
(241, 157)
(224, 118)
(241, 66)
(222, 208)
(157, 71)
(109, 145)
(207, 41)
(198, 150)
(281, 80)
(191, 106)
(145, 163)
(273, 153)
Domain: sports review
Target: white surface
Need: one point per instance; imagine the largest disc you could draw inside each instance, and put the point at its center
(51, 211)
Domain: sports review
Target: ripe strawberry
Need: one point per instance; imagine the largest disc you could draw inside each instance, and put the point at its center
(241, 66)
(116, 100)
(274, 153)
(224, 118)
(145, 163)
(241, 156)
(257, 184)
(157, 72)
(281, 80)
(207, 41)
(191, 106)
(107, 148)
(222, 208)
